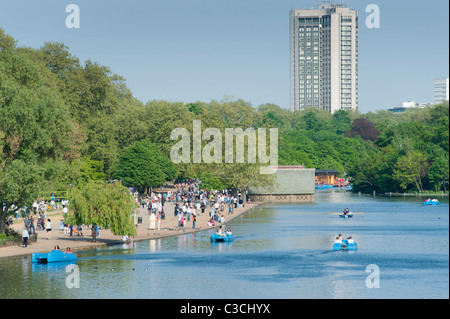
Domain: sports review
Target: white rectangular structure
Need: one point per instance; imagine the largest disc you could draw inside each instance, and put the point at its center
(324, 58)
(440, 90)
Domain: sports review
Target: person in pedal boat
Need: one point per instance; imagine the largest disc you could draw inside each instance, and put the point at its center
(220, 231)
(338, 239)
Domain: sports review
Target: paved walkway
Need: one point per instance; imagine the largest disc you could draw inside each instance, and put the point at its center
(168, 228)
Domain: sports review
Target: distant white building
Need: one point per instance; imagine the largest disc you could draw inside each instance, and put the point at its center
(440, 90)
(409, 104)
(406, 105)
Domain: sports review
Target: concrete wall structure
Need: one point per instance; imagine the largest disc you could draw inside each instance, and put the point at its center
(293, 184)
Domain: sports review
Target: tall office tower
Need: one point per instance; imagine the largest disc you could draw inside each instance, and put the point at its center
(324, 58)
(440, 90)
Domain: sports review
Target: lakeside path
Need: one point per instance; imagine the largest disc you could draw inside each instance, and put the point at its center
(167, 229)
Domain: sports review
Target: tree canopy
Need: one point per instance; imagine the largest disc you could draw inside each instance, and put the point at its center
(103, 204)
(143, 165)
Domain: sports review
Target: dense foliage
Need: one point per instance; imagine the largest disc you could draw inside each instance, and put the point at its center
(103, 204)
(143, 165)
(65, 123)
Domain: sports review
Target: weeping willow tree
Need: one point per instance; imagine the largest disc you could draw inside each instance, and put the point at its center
(107, 205)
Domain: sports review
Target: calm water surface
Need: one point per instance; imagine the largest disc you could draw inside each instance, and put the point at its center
(280, 251)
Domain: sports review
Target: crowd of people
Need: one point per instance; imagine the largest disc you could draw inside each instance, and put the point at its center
(37, 219)
(191, 201)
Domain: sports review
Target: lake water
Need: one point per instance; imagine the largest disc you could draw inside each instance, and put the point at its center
(280, 251)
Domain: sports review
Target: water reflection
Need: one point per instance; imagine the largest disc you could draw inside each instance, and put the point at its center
(222, 246)
(55, 268)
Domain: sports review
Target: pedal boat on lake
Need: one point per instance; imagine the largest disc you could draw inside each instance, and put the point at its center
(345, 245)
(431, 202)
(349, 215)
(324, 186)
(222, 238)
(52, 257)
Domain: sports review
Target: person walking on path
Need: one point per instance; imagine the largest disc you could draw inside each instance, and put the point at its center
(27, 223)
(48, 227)
(31, 226)
(25, 236)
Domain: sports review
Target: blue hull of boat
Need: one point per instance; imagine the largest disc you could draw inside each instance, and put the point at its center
(345, 246)
(217, 238)
(324, 186)
(346, 216)
(52, 257)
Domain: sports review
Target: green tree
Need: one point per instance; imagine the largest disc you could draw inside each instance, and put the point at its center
(20, 183)
(143, 165)
(210, 181)
(275, 116)
(439, 124)
(374, 171)
(311, 121)
(107, 205)
(7, 42)
(439, 172)
(78, 172)
(160, 118)
(34, 128)
(101, 142)
(58, 59)
(195, 108)
(341, 121)
(411, 169)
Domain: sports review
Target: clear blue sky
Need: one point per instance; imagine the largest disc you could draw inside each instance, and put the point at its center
(189, 50)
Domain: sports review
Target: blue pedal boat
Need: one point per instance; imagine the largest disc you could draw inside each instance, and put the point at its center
(431, 202)
(345, 245)
(324, 186)
(224, 238)
(52, 257)
(346, 216)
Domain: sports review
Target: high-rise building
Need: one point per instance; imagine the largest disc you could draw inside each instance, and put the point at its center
(324, 58)
(440, 90)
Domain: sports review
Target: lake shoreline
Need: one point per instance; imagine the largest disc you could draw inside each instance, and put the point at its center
(168, 228)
